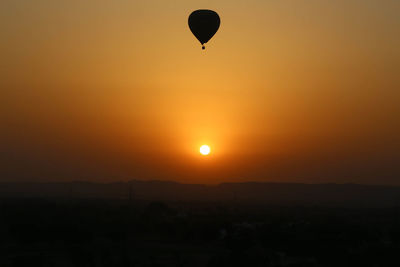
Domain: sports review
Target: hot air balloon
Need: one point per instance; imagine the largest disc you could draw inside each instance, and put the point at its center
(204, 24)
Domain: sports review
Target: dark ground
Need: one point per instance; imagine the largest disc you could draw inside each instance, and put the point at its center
(106, 232)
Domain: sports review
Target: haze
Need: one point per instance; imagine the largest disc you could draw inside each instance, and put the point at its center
(286, 91)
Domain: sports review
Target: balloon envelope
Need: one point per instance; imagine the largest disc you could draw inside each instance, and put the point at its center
(204, 24)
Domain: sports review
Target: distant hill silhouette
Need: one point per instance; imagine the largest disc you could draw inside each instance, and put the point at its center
(252, 193)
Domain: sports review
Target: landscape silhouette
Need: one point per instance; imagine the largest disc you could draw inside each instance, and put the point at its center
(161, 223)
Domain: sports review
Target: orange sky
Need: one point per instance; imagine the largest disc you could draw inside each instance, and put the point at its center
(303, 91)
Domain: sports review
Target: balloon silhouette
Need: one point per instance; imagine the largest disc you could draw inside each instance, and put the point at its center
(204, 24)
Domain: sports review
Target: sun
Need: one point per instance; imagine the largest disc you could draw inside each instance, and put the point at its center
(205, 150)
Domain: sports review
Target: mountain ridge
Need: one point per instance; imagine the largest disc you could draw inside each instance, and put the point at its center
(252, 193)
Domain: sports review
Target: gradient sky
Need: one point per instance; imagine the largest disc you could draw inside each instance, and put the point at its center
(286, 91)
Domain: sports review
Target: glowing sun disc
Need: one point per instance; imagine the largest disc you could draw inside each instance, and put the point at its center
(205, 150)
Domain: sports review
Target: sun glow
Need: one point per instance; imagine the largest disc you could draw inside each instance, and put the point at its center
(205, 150)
